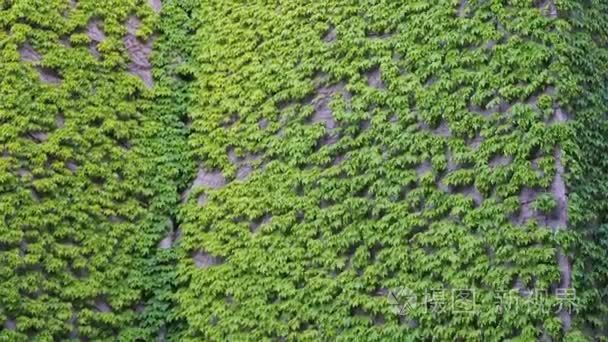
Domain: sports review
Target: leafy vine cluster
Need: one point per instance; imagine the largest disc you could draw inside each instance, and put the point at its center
(90, 167)
(276, 170)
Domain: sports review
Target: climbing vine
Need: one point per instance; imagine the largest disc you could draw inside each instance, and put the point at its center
(368, 146)
(303, 170)
(87, 180)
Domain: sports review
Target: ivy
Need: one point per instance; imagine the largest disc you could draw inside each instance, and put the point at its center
(434, 168)
(88, 175)
(277, 170)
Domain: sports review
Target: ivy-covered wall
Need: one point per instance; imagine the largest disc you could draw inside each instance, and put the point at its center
(91, 162)
(303, 170)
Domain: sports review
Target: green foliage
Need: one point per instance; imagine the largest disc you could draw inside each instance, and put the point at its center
(586, 91)
(87, 175)
(545, 203)
(425, 188)
(310, 157)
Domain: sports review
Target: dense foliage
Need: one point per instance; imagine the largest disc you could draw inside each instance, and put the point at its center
(286, 170)
(89, 172)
